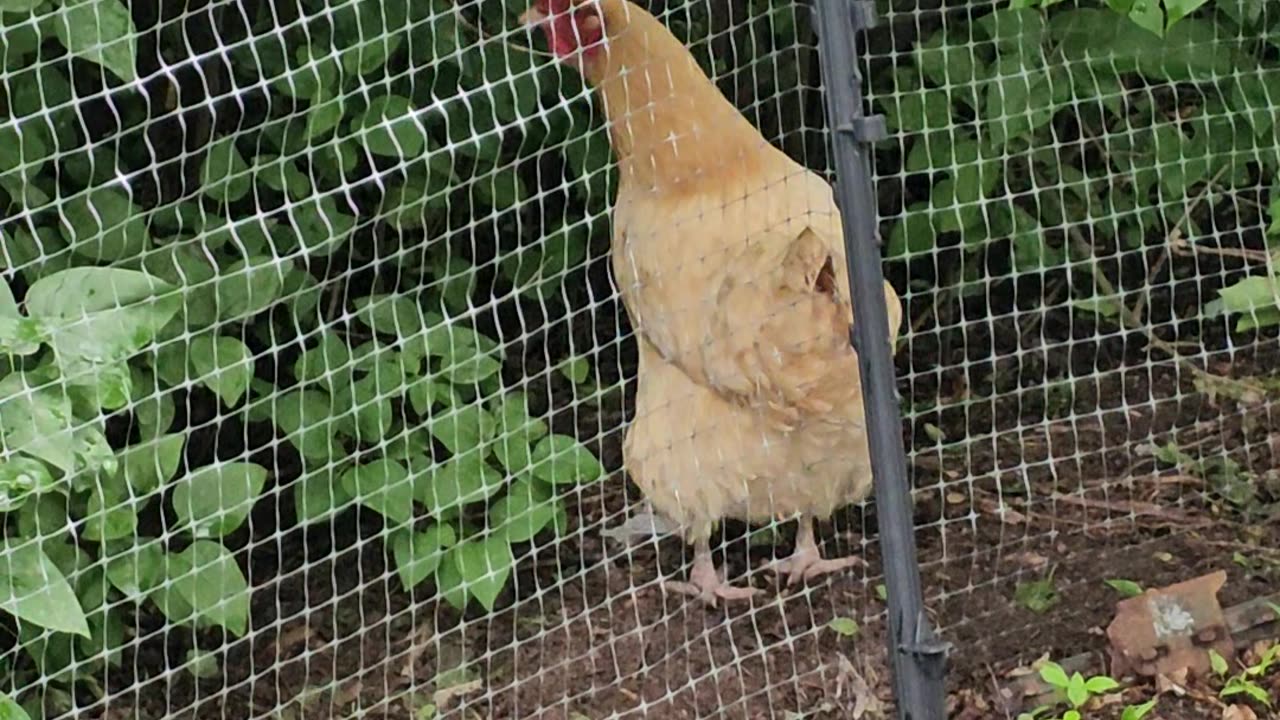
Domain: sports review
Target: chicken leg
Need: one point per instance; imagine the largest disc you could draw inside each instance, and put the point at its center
(806, 561)
(706, 582)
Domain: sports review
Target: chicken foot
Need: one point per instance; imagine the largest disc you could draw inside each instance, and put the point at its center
(806, 561)
(706, 583)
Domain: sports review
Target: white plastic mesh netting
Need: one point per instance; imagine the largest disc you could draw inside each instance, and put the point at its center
(314, 379)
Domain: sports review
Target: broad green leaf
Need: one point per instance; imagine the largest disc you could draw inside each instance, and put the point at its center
(34, 590)
(457, 482)
(249, 287)
(147, 466)
(111, 514)
(523, 512)
(314, 74)
(214, 586)
(1054, 675)
(1100, 684)
(306, 417)
(320, 225)
(73, 293)
(576, 369)
(9, 708)
(561, 459)
(37, 422)
(484, 566)
(216, 500)
(224, 365)
(383, 486)
(104, 225)
(418, 554)
(21, 477)
(463, 429)
(425, 394)
(102, 32)
(138, 570)
(468, 364)
(1178, 9)
(397, 315)
(226, 176)
(319, 494)
(326, 362)
(389, 127)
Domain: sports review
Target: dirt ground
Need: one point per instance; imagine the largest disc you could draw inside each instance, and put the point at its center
(586, 632)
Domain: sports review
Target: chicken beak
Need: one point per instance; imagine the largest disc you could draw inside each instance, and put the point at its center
(533, 17)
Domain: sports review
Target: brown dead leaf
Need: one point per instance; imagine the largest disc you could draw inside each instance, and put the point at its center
(1175, 683)
(1238, 712)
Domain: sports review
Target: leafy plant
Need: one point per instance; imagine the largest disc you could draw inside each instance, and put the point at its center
(1245, 682)
(1037, 596)
(1075, 690)
(1038, 151)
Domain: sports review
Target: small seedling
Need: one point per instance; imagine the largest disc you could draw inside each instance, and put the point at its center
(1075, 689)
(1244, 682)
(1137, 712)
(1127, 588)
(882, 592)
(847, 627)
(1037, 596)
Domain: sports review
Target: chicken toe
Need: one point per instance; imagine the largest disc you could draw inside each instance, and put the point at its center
(806, 562)
(705, 582)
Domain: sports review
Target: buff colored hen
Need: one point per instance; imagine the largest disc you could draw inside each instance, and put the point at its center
(730, 260)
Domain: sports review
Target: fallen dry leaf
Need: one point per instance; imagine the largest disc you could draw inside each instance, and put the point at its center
(1238, 712)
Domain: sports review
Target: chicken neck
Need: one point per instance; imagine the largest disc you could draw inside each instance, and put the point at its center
(670, 125)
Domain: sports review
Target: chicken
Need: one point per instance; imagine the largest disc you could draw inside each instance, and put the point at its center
(730, 261)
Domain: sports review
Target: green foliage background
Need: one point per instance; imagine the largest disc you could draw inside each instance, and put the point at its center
(269, 262)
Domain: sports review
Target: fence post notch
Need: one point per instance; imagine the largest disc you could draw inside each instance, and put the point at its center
(918, 656)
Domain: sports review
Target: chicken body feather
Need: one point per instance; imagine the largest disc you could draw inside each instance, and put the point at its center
(730, 260)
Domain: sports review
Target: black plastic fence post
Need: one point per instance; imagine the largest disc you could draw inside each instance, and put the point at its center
(917, 654)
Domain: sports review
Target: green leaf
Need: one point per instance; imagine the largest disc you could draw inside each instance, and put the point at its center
(576, 369)
(37, 422)
(306, 417)
(216, 500)
(484, 566)
(847, 627)
(226, 176)
(383, 486)
(21, 477)
(207, 577)
(397, 315)
(321, 227)
(325, 362)
(224, 365)
(418, 554)
(463, 429)
(501, 190)
(1178, 9)
(1127, 588)
(1054, 675)
(459, 481)
(103, 225)
(523, 512)
(1137, 712)
(1218, 663)
(111, 514)
(389, 127)
(34, 590)
(1077, 695)
(138, 570)
(319, 494)
(249, 287)
(561, 459)
(9, 708)
(102, 32)
(1100, 684)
